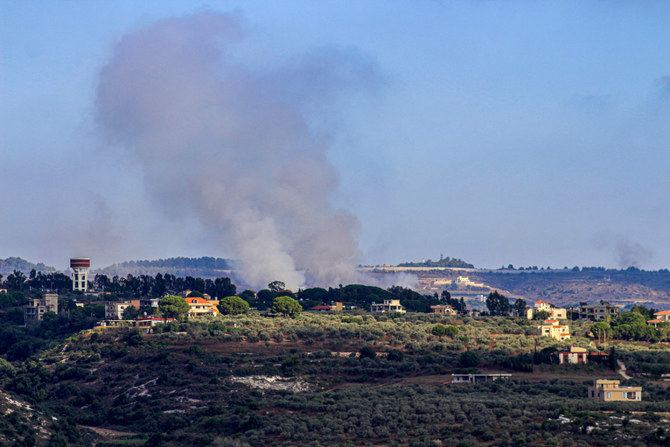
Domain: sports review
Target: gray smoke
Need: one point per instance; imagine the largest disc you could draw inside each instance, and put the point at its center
(631, 254)
(233, 146)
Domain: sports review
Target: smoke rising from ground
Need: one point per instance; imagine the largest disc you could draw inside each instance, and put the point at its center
(631, 254)
(232, 145)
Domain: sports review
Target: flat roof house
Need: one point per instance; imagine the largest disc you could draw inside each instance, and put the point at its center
(596, 312)
(443, 309)
(551, 328)
(34, 312)
(556, 313)
(610, 391)
(114, 311)
(387, 306)
(575, 356)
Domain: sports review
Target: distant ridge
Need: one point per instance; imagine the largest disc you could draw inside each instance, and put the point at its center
(443, 262)
(10, 264)
(204, 267)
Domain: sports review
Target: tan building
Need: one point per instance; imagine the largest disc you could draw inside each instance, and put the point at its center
(555, 313)
(387, 306)
(114, 311)
(34, 312)
(551, 328)
(609, 390)
(574, 356)
(663, 316)
(201, 306)
(335, 307)
(443, 309)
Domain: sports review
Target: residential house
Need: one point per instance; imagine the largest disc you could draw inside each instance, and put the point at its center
(114, 311)
(554, 312)
(34, 312)
(596, 312)
(609, 390)
(551, 328)
(147, 322)
(202, 306)
(574, 356)
(149, 302)
(387, 306)
(335, 307)
(443, 309)
(660, 317)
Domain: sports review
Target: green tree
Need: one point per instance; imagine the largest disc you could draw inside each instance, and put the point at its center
(15, 280)
(233, 305)
(172, 306)
(367, 352)
(439, 330)
(601, 330)
(498, 305)
(276, 286)
(195, 294)
(286, 306)
(469, 359)
(520, 307)
(541, 315)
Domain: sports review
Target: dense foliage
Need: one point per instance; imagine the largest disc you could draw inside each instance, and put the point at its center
(443, 262)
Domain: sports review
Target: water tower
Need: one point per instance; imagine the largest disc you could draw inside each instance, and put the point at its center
(79, 268)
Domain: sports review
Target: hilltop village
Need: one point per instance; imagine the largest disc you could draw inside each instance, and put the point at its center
(167, 360)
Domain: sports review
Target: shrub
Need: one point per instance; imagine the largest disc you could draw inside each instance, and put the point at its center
(367, 352)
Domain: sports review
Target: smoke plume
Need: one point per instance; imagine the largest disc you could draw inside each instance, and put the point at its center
(233, 145)
(631, 254)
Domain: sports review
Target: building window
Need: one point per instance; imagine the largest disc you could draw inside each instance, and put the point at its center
(609, 395)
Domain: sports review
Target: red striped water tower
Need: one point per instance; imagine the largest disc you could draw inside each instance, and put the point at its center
(79, 268)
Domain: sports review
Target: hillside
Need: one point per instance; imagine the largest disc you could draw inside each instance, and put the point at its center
(330, 379)
(442, 262)
(10, 264)
(560, 287)
(622, 287)
(204, 267)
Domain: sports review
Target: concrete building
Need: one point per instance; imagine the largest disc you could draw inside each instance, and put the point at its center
(574, 356)
(610, 391)
(114, 311)
(443, 309)
(149, 302)
(554, 312)
(551, 328)
(80, 268)
(34, 312)
(387, 306)
(596, 312)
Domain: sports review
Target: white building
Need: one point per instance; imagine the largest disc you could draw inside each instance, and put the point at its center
(387, 306)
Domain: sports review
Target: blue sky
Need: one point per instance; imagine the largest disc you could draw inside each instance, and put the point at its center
(531, 133)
